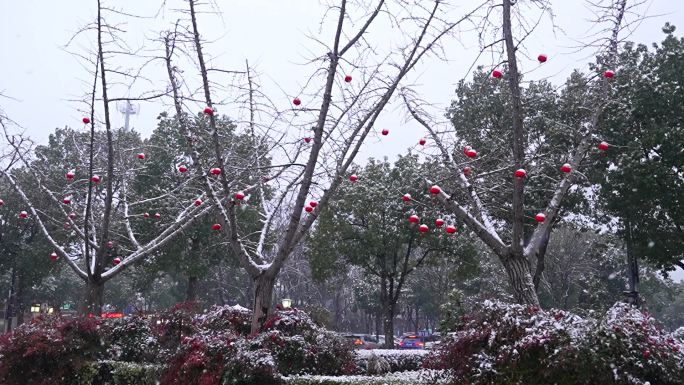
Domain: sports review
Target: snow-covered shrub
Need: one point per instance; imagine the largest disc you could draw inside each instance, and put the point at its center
(48, 350)
(116, 373)
(300, 346)
(172, 325)
(377, 365)
(131, 339)
(514, 344)
(397, 360)
(221, 318)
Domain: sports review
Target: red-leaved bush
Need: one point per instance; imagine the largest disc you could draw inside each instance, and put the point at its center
(514, 344)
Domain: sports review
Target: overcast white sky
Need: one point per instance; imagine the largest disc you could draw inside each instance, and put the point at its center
(43, 78)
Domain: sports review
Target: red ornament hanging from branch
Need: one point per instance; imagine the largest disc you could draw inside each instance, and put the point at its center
(450, 229)
(566, 168)
(423, 228)
(414, 219)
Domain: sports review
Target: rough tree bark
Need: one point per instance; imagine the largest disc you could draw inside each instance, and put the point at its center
(263, 299)
(94, 297)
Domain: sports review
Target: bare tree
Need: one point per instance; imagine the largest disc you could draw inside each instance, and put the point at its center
(316, 161)
(508, 241)
(90, 218)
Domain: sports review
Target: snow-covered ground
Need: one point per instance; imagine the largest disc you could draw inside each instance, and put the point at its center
(401, 378)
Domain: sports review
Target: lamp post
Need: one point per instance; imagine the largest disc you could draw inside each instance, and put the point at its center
(35, 308)
(287, 303)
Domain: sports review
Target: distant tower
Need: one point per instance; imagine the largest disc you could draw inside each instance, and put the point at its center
(128, 109)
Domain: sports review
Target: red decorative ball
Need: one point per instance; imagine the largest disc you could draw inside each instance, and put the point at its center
(141, 156)
(157, 215)
(608, 74)
(414, 219)
(110, 244)
(520, 173)
(95, 179)
(435, 190)
(450, 229)
(215, 171)
(70, 175)
(146, 215)
(308, 209)
(566, 168)
(307, 139)
(422, 141)
(439, 222)
(208, 111)
(198, 202)
(239, 195)
(406, 198)
(646, 353)
(466, 149)
(23, 215)
(542, 58)
(466, 171)
(471, 153)
(497, 74)
(116, 261)
(540, 217)
(353, 178)
(182, 168)
(2, 202)
(313, 203)
(216, 226)
(423, 228)
(72, 215)
(348, 78)
(603, 146)
(66, 200)
(54, 256)
(86, 120)
(385, 131)
(296, 101)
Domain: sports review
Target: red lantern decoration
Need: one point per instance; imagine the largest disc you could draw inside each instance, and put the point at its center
(67, 225)
(423, 228)
(198, 202)
(146, 215)
(608, 74)
(466, 149)
(540, 217)
(422, 141)
(497, 74)
(141, 156)
(466, 171)
(95, 179)
(520, 173)
(646, 353)
(23, 215)
(54, 256)
(216, 226)
(239, 195)
(414, 219)
(208, 111)
(157, 215)
(182, 168)
(215, 171)
(435, 190)
(66, 200)
(353, 178)
(72, 215)
(308, 209)
(296, 101)
(70, 175)
(450, 229)
(348, 78)
(406, 198)
(116, 261)
(385, 131)
(307, 139)
(439, 222)
(542, 58)
(86, 120)
(313, 203)
(110, 244)
(603, 146)
(471, 153)
(566, 168)
(2, 202)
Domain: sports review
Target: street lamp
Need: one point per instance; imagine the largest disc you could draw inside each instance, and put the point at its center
(35, 308)
(287, 303)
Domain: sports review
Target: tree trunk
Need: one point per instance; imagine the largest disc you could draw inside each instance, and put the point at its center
(191, 291)
(518, 271)
(93, 301)
(539, 268)
(388, 324)
(263, 298)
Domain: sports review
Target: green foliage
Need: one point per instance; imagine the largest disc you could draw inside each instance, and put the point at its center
(644, 186)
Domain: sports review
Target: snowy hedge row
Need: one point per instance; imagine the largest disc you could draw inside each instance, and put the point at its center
(514, 344)
(379, 361)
